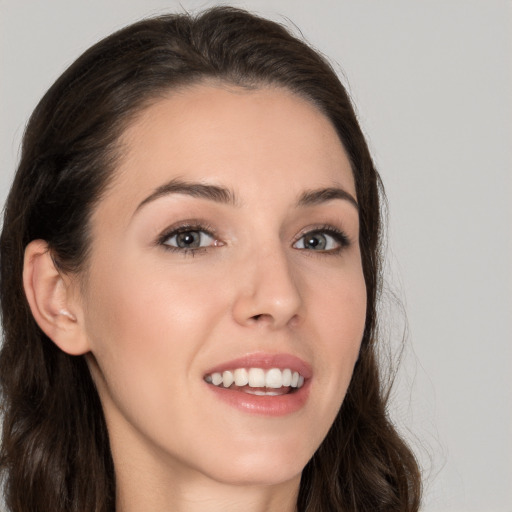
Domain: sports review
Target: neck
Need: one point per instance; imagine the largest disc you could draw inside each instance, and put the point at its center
(141, 491)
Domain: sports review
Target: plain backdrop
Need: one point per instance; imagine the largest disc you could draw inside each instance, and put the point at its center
(432, 84)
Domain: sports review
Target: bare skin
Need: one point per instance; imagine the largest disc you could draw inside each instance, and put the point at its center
(276, 270)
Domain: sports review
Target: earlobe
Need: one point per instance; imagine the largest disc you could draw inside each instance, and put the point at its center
(52, 300)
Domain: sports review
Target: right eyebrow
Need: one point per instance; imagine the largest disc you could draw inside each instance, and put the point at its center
(195, 189)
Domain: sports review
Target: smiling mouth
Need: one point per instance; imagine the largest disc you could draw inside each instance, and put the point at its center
(258, 381)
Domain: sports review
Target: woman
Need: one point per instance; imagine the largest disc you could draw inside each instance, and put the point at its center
(189, 276)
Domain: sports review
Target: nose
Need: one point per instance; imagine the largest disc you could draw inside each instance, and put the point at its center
(268, 292)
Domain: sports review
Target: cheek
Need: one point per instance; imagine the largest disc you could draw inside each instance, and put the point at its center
(149, 321)
(155, 301)
(337, 305)
(145, 332)
(340, 314)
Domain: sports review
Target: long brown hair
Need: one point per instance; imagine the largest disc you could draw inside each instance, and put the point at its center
(55, 454)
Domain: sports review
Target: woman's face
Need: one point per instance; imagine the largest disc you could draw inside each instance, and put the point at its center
(227, 242)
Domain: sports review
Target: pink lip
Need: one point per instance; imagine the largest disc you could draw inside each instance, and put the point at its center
(265, 405)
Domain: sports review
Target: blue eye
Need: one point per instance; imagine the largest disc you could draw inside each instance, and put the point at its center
(188, 239)
(322, 240)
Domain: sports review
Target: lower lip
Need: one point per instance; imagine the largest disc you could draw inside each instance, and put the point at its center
(268, 405)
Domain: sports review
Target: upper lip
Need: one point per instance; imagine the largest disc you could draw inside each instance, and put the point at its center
(265, 361)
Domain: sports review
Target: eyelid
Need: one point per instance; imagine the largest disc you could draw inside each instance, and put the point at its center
(184, 226)
(337, 233)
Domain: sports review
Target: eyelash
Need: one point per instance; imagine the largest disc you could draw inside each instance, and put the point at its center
(185, 228)
(338, 235)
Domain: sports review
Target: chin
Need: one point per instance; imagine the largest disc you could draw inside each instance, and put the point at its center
(264, 467)
(258, 475)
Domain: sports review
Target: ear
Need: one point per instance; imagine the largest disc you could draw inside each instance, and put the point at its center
(53, 299)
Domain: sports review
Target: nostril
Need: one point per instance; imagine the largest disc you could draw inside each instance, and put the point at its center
(261, 317)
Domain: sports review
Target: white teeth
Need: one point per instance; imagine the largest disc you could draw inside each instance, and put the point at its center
(287, 377)
(241, 377)
(256, 378)
(259, 392)
(227, 379)
(273, 378)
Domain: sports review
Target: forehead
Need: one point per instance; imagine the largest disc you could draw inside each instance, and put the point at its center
(250, 140)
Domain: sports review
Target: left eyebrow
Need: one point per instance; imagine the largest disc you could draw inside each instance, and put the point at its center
(322, 195)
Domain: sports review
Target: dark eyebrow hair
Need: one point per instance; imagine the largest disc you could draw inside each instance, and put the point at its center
(201, 190)
(321, 195)
(227, 196)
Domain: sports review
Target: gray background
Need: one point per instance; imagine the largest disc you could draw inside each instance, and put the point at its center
(430, 82)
